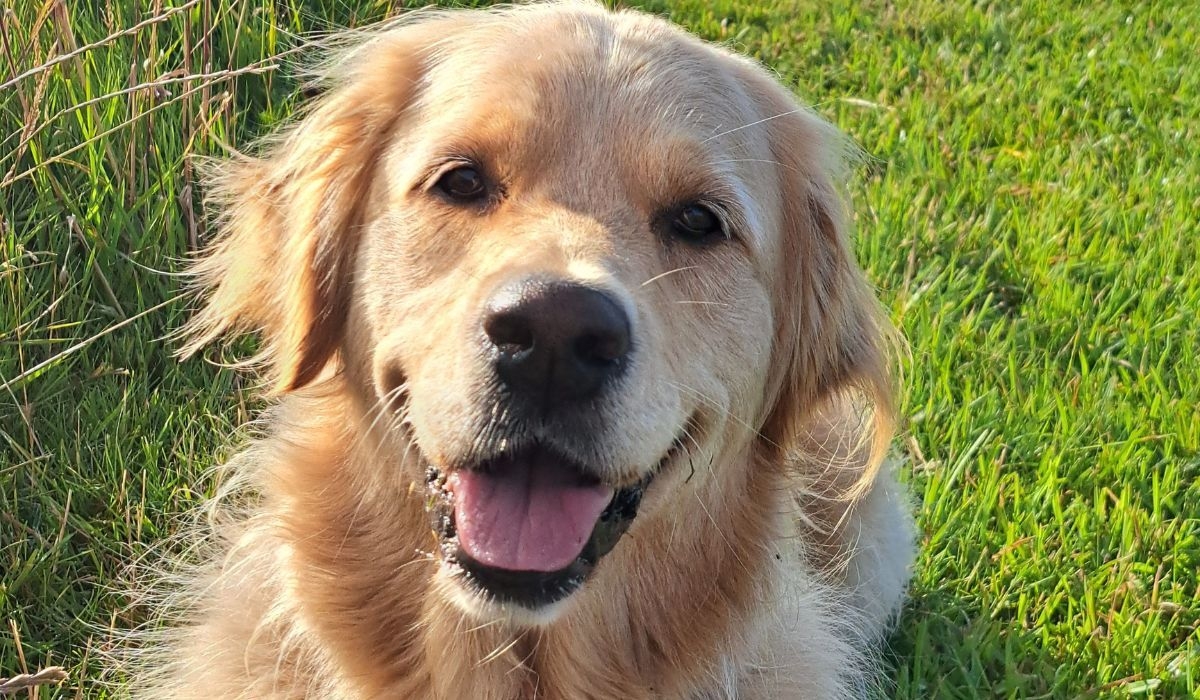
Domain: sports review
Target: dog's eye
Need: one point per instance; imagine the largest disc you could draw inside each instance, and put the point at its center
(464, 184)
(697, 223)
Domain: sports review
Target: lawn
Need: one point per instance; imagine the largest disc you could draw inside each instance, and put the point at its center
(1028, 212)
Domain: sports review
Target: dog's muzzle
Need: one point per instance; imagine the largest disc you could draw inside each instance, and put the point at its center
(520, 516)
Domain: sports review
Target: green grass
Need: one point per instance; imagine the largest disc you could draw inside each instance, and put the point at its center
(1030, 217)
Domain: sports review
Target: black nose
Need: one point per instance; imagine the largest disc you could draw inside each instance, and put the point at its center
(556, 341)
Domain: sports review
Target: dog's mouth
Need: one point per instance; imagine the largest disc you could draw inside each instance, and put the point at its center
(527, 527)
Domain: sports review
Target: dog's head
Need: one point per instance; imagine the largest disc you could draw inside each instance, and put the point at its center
(574, 258)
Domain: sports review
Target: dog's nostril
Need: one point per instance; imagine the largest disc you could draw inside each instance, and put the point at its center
(602, 348)
(509, 332)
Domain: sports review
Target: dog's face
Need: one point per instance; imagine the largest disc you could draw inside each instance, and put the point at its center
(566, 286)
(576, 258)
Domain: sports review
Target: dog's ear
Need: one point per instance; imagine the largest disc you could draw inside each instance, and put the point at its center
(287, 220)
(832, 338)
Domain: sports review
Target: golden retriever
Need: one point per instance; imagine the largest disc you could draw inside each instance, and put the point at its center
(580, 392)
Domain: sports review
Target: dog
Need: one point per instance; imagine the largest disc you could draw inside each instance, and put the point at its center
(579, 393)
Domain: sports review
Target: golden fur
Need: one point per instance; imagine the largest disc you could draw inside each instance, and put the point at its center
(767, 561)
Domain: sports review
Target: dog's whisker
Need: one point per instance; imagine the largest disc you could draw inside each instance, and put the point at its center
(358, 506)
(523, 662)
(662, 275)
(764, 120)
(721, 409)
(764, 161)
(498, 652)
(704, 454)
(692, 438)
(381, 407)
(420, 557)
(721, 533)
(383, 410)
(485, 625)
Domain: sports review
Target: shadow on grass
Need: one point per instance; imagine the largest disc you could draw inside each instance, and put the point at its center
(948, 647)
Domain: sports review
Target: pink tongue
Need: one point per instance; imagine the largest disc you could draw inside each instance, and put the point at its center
(528, 515)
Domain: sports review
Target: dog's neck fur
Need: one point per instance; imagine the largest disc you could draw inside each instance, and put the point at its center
(661, 608)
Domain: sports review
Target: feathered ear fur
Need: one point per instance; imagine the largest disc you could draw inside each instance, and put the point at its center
(287, 220)
(831, 335)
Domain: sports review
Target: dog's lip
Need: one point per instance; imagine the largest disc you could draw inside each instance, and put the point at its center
(535, 589)
(586, 474)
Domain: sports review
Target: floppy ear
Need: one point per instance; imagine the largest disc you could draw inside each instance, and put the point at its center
(287, 220)
(831, 359)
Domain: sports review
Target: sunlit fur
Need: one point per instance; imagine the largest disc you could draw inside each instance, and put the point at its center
(769, 558)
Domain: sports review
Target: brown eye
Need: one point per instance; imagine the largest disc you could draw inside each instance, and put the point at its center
(462, 184)
(697, 223)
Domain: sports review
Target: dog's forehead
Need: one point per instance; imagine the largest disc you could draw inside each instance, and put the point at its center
(603, 75)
